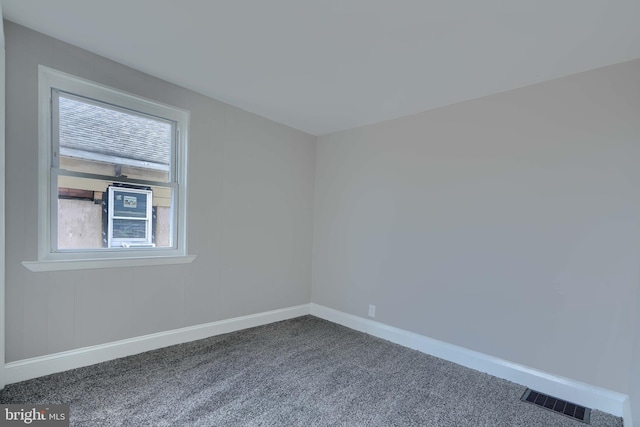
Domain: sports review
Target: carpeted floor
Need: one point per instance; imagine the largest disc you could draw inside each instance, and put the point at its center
(300, 372)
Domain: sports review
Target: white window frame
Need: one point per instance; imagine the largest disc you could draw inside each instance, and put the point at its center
(50, 259)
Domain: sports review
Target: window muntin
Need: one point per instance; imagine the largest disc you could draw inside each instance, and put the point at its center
(77, 170)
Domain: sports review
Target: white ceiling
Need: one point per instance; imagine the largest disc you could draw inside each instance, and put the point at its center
(328, 65)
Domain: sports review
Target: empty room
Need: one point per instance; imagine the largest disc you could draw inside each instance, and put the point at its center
(350, 213)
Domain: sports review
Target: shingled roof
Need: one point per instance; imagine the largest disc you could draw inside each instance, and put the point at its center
(95, 130)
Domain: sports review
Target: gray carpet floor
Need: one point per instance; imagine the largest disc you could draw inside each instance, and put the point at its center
(299, 372)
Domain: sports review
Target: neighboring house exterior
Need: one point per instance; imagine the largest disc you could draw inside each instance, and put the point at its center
(96, 139)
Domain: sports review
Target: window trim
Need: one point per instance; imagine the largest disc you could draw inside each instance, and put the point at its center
(49, 79)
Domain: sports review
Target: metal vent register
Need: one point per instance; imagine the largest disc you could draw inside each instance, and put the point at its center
(563, 407)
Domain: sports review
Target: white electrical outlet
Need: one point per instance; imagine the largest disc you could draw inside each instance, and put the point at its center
(372, 310)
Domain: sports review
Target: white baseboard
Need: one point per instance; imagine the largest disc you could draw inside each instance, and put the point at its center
(554, 385)
(563, 388)
(38, 366)
(626, 413)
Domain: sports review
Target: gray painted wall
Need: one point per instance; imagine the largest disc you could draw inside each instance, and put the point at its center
(634, 389)
(2, 202)
(508, 225)
(250, 218)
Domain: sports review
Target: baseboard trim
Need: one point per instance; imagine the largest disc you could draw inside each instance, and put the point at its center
(26, 369)
(584, 394)
(563, 388)
(626, 413)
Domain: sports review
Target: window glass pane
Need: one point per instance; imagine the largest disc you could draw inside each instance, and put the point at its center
(82, 212)
(79, 219)
(129, 229)
(96, 138)
(130, 205)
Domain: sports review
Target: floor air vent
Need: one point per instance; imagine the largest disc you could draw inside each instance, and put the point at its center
(563, 407)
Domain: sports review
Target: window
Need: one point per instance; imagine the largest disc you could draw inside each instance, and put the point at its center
(112, 178)
(130, 218)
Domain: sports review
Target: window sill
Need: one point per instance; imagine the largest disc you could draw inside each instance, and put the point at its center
(86, 264)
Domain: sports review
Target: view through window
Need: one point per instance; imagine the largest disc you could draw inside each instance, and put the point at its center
(114, 174)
